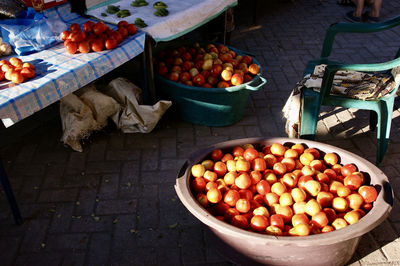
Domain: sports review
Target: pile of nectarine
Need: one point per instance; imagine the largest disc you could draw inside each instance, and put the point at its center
(290, 190)
(208, 66)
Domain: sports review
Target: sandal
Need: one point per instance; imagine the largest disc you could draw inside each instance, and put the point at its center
(345, 2)
(350, 17)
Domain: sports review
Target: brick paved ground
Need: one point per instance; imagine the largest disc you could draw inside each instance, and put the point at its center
(114, 204)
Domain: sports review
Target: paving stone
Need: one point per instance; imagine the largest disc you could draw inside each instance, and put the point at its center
(35, 235)
(74, 259)
(91, 223)
(99, 249)
(9, 245)
(58, 195)
(103, 167)
(106, 207)
(119, 155)
(61, 218)
(109, 187)
(67, 242)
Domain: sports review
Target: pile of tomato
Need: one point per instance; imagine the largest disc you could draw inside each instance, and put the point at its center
(16, 71)
(281, 190)
(95, 36)
(206, 65)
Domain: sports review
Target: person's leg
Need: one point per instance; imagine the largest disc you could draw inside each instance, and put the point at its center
(376, 8)
(359, 8)
(356, 15)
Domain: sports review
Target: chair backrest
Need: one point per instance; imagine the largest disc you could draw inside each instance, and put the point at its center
(356, 28)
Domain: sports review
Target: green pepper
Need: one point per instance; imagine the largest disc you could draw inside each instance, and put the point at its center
(138, 3)
(140, 23)
(159, 4)
(123, 13)
(112, 9)
(161, 12)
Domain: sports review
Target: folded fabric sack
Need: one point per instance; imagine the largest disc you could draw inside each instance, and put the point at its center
(84, 112)
(134, 116)
(352, 84)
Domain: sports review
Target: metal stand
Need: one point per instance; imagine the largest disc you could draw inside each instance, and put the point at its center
(149, 71)
(10, 195)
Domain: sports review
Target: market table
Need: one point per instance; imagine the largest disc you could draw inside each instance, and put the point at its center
(57, 75)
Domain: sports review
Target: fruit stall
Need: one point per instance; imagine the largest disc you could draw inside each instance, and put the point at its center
(81, 48)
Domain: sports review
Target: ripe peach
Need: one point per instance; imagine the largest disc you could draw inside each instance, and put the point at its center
(286, 199)
(313, 187)
(312, 207)
(261, 211)
(339, 223)
(306, 158)
(198, 170)
(298, 194)
(278, 149)
(299, 207)
(340, 204)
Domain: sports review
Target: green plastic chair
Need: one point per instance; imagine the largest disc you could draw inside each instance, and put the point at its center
(380, 109)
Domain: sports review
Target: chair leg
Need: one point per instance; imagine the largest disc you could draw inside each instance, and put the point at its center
(10, 195)
(373, 120)
(309, 115)
(383, 132)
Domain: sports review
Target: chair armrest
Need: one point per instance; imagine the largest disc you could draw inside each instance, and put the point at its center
(354, 28)
(330, 71)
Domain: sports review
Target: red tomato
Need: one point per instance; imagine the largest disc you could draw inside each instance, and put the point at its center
(99, 28)
(71, 47)
(88, 26)
(123, 31)
(122, 23)
(84, 47)
(117, 36)
(78, 36)
(74, 27)
(131, 29)
(97, 45)
(199, 80)
(64, 35)
(110, 43)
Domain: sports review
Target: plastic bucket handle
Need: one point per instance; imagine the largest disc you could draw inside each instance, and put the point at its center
(255, 88)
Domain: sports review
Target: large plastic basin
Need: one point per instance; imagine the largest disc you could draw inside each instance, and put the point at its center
(249, 248)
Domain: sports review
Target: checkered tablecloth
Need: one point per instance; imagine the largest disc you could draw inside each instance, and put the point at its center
(59, 73)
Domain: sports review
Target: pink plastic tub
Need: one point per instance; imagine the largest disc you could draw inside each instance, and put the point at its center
(247, 248)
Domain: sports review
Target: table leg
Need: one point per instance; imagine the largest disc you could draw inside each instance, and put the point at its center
(9, 195)
(149, 71)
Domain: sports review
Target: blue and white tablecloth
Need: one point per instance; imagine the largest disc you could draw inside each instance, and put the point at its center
(59, 73)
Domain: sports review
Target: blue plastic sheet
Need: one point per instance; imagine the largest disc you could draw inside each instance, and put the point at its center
(31, 32)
